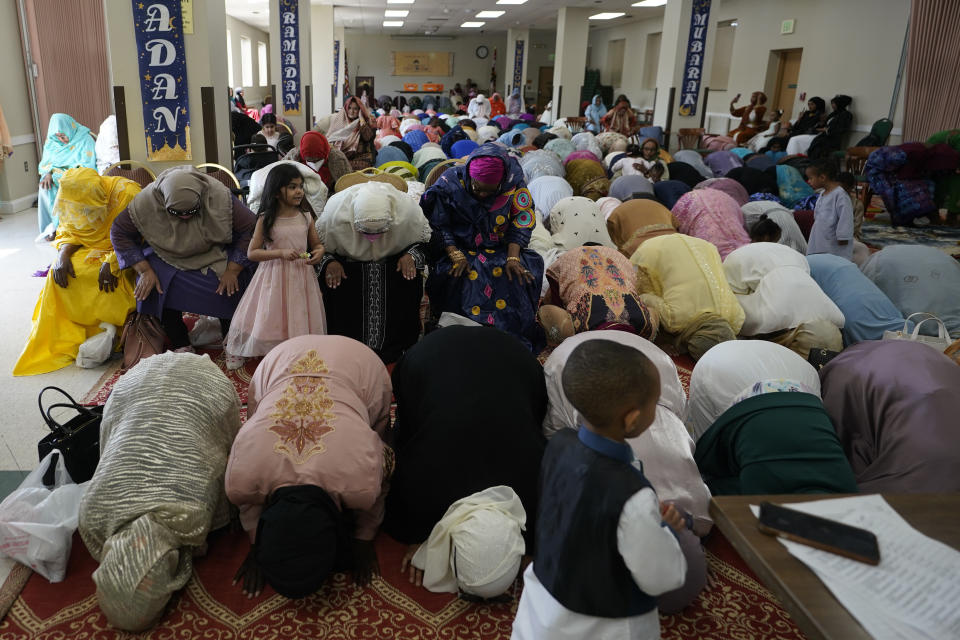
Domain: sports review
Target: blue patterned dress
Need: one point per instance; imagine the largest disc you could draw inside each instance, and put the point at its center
(482, 230)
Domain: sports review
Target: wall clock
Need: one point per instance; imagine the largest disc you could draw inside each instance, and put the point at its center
(482, 51)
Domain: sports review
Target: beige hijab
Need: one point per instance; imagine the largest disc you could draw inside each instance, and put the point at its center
(188, 245)
(376, 209)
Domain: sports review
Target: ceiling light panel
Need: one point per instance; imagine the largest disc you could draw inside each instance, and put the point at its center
(396, 13)
(490, 14)
(472, 25)
(393, 23)
(606, 16)
(399, 1)
(510, 1)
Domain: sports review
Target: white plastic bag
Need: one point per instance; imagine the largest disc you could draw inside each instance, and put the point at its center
(37, 522)
(206, 331)
(97, 349)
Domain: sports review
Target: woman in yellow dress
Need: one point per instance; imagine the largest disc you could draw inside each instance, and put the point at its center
(85, 285)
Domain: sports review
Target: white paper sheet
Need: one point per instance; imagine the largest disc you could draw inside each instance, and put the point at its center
(913, 593)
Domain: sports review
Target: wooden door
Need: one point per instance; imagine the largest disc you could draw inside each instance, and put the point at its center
(67, 44)
(544, 88)
(787, 73)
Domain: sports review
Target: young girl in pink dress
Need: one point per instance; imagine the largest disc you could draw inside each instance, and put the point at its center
(283, 300)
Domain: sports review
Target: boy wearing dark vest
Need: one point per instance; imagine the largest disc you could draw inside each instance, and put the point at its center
(605, 545)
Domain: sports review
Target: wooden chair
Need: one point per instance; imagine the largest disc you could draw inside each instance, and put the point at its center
(855, 160)
(223, 175)
(137, 171)
(576, 125)
(690, 138)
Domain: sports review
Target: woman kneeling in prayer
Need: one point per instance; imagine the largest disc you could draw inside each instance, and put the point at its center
(186, 236)
(681, 279)
(895, 405)
(481, 214)
(158, 488)
(597, 288)
(468, 459)
(665, 450)
(85, 287)
(375, 239)
(780, 300)
(309, 469)
(760, 427)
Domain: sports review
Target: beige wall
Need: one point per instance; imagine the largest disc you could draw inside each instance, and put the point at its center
(850, 47)
(253, 95)
(631, 80)
(542, 47)
(18, 184)
(206, 66)
(370, 55)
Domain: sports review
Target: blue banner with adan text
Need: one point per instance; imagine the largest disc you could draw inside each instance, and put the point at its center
(693, 68)
(290, 55)
(518, 66)
(163, 79)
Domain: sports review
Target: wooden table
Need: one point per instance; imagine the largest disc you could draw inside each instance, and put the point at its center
(810, 603)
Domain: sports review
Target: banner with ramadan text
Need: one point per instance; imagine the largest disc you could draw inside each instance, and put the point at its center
(290, 56)
(693, 67)
(163, 79)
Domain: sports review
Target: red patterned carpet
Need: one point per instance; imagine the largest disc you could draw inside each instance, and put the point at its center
(735, 605)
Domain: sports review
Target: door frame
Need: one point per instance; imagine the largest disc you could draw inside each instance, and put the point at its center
(781, 65)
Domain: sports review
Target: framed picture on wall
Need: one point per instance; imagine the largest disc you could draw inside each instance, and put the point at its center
(365, 83)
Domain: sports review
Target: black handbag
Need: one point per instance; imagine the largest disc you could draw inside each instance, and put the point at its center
(78, 440)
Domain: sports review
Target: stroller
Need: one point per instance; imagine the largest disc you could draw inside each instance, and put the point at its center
(249, 158)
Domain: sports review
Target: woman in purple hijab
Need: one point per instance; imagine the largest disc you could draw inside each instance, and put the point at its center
(720, 162)
(894, 404)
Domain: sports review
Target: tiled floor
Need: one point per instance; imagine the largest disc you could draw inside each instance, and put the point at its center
(21, 426)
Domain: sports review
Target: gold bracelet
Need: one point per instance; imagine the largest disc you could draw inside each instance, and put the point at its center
(509, 258)
(457, 256)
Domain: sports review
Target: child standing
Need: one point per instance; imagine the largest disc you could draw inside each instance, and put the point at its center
(605, 547)
(849, 183)
(283, 300)
(832, 230)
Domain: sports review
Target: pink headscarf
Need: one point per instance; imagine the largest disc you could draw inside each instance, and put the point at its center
(712, 215)
(487, 170)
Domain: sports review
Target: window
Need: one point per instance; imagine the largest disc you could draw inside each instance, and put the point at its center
(651, 60)
(230, 62)
(262, 59)
(614, 65)
(722, 54)
(246, 62)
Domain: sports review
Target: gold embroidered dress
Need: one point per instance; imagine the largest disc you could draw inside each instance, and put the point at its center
(317, 410)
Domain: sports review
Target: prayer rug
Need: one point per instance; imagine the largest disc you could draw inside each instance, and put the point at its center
(736, 605)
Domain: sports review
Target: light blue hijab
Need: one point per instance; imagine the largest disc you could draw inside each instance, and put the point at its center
(596, 110)
(867, 310)
(77, 151)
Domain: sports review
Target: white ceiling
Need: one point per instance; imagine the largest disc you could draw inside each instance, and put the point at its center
(443, 17)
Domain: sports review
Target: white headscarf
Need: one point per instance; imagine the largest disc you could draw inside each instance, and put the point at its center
(107, 146)
(371, 208)
(479, 107)
(477, 546)
(607, 204)
(487, 133)
(729, 368)
(313, 188)
(577, 220)
(773, 285)
(790, 234)
(547, 191)
(665, 449)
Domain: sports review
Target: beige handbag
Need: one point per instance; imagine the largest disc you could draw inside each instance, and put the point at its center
(939, 342)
